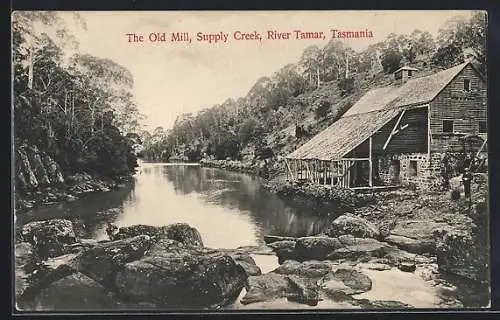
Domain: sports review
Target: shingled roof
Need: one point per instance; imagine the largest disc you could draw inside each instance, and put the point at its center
(372, 112)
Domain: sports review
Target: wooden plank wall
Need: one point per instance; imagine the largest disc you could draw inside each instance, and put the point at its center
(466, 109)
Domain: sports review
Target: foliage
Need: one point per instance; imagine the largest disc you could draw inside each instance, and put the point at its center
(77, 109)
(323, 109)
(289, 99)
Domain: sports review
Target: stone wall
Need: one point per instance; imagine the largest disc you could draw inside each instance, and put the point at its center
(415, 169)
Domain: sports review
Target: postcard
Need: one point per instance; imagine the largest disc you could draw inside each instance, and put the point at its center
(250, 160)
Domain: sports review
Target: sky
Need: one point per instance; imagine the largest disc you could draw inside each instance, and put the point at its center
(171, 78)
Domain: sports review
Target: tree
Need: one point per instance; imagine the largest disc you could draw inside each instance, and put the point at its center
(391, 59)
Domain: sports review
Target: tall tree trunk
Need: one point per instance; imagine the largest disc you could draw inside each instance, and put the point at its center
(30, 66)
(317, 74)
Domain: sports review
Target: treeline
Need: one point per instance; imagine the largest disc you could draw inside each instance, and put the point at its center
(75, 107)
(232, 128)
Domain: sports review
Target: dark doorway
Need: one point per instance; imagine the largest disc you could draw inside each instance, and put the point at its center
(394, 171)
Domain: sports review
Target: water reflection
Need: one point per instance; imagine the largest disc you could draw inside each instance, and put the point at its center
(229, 209)
(244, 193)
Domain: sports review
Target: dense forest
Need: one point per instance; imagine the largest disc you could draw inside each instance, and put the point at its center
(282, 111)
(77, 108)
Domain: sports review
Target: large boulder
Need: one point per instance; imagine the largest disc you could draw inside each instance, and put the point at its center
(303, 290)
(175, 275)
(247, 263)
(458, 252)
(184, 233)
(50, 238)
(266, 287)
(354, 279)
(318, 248)
(357, 248)
(419, 246)
(284, 249)
(103, 260)
(353, 225)
(115, 233)
(343, 283)
(306, 269)
(181, 232)
(74, 292)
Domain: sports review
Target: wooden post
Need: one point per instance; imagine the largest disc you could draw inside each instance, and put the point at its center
(370, 177)
(429, 133)
(324, 172)
(349, 173)
(286, 170)
(331, 173)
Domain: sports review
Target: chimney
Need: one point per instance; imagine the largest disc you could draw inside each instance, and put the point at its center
(403, 74)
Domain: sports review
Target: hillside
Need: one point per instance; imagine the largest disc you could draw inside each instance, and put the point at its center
(284, 110)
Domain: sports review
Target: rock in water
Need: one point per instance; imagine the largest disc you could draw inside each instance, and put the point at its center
(266, 287)
(285, 250)
(184, 233)
(407, 267)
(101, 261)
(174, 275)
(181, 232)
(307, 269)
(316, 247)
(116, 233)
(74, 292)
(353, 225)
(356, 248)
(247, 263)
(50, 238)
(303, 291)
(354, 279)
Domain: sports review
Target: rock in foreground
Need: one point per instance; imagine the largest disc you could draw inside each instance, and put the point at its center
(350, 224)
(49, 238)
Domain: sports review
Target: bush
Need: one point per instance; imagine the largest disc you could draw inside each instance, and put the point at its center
(323, 109)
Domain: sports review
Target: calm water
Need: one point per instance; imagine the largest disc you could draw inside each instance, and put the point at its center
(229, 209)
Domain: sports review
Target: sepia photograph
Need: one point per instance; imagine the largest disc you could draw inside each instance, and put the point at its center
(178, 161)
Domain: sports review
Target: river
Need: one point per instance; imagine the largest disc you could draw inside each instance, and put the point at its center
(229, 209)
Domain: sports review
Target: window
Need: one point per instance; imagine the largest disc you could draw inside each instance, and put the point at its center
(483, 127)
(413, 168)
(447, 125)
(410, 72)
(466, 85)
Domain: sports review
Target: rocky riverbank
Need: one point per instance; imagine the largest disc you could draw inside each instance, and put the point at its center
(40, 180)
(453, 232)
(347, 266)
(258, 167)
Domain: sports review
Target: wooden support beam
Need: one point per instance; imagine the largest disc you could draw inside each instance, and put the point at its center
(401, 129)
(289, 170)
(370, 177)
(393, 130)
(356, 159)
(324, 172)
(349, 173)
(429, 134)
(331, 173)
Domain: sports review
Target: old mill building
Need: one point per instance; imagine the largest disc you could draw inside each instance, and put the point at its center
(396, 135)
